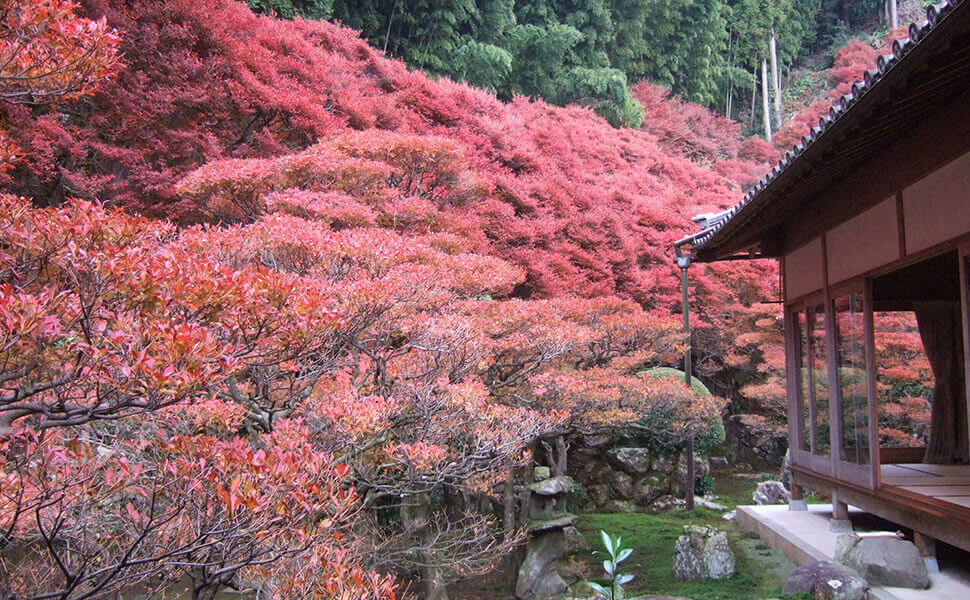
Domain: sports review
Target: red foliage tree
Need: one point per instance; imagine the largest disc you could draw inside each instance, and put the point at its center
(394, 290)
(48, 54)
(450, 370)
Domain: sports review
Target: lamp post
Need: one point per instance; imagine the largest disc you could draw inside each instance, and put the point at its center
(683, 261)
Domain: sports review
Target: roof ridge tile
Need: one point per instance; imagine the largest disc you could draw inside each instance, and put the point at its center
(885, 62)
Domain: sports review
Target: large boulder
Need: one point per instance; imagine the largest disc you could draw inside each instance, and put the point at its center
(663, 464)
(621, 486)
(650, 488)
(701, 466)
(539, 576)
(771, 492)
(678, 479)
(825, 580)
(883, 560)
(635, 461)
(598, 494)
(588, 465)
(703, 553)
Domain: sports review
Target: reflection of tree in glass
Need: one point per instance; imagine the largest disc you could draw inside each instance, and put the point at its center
(904, 380)
(853, 404)
(820, 380)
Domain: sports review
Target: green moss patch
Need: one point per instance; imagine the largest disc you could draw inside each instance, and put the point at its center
(761, 572)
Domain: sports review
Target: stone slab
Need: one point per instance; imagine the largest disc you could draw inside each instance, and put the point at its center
(804, 536)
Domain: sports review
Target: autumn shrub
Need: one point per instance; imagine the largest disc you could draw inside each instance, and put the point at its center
(583, 208)
(390, 356)
(377, 301)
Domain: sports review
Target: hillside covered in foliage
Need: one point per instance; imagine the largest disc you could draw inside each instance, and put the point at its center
(281, 314)
(592, 52)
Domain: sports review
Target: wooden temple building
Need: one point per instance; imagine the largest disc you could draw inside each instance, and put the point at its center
(869, 219)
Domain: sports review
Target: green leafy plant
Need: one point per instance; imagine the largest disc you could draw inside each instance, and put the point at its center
(612, 586)
(705, 486)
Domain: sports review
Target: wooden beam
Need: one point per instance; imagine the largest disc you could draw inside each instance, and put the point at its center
(901, 455)
(964, 259)
(872, 400)
(945, 522)
(901, 223)
(930, 144)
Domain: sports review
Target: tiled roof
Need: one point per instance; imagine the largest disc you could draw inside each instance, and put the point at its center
(713, 223)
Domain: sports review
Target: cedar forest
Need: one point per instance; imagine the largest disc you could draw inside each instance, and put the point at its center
(290, 311)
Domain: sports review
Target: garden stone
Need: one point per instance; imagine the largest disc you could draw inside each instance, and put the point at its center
(701, 466)
(541, 473)
(554, 486)
(662, 464)
(650, 488)
(826, 580)
(635, 461)
(718, 558)
(598, 494)
(592, 471)
(718, 462)
(705, 502)
(539, 574)
(678, 479)
(771, 492)
(622, 486)
(883, 560)
(575, 541)
(730, 516)
(665, 503)
(703, 553)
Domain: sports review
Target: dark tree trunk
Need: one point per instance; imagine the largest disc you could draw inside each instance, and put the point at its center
(415, 516)
(560, 457)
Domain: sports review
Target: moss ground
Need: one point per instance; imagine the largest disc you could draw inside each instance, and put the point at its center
(760, 575)
(761, 571)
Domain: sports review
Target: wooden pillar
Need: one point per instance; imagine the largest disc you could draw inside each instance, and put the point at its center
(840, 515)
(927, 549)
